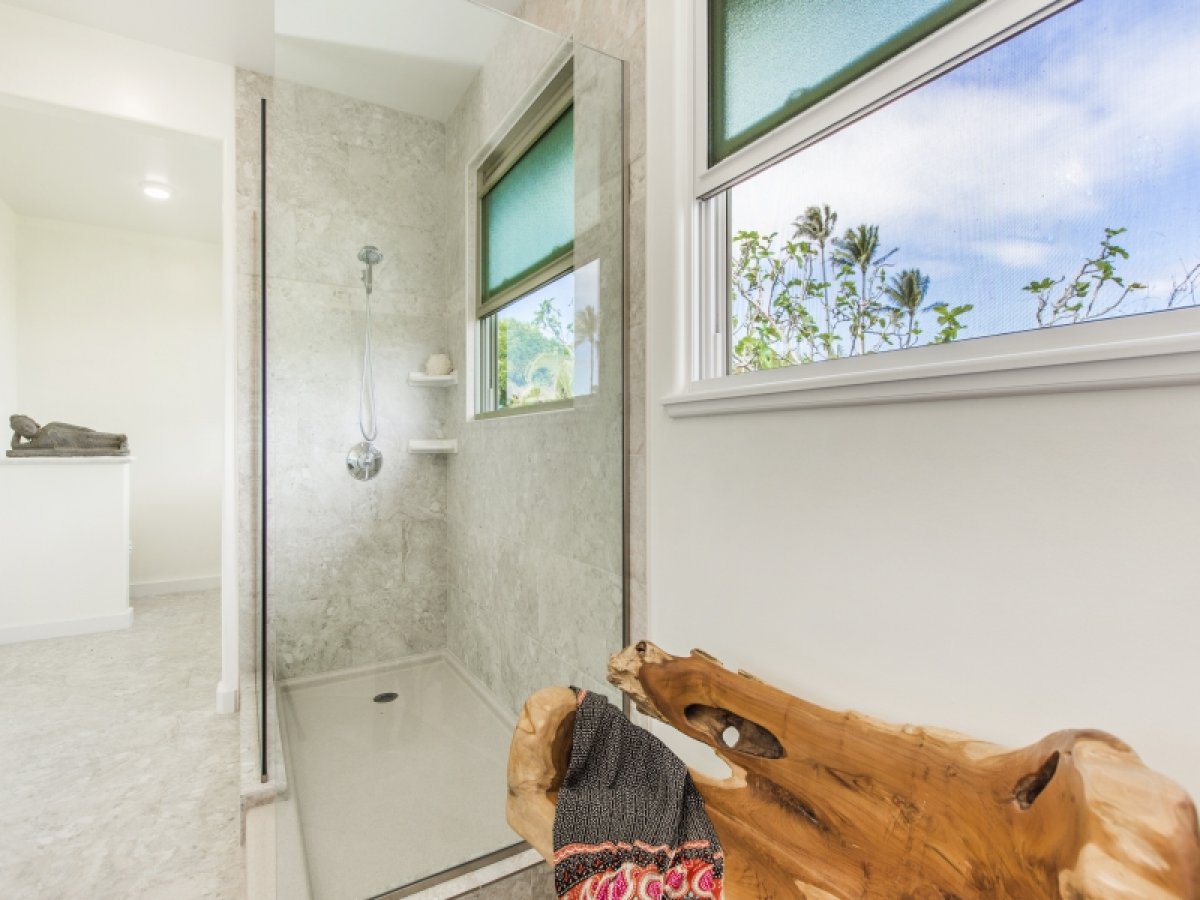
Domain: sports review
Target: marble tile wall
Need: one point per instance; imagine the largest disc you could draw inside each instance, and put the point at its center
(357, 570)
(535, 501)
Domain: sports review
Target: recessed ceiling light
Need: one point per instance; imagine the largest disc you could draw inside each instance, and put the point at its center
(156, 190)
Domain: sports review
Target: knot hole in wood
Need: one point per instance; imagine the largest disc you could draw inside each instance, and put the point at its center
(727, 729)
(1030, 786)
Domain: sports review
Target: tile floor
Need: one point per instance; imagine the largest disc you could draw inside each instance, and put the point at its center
(532, 884)
(118, 780)
(389, 793)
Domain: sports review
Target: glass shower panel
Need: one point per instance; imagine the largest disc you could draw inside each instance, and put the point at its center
(412, 613)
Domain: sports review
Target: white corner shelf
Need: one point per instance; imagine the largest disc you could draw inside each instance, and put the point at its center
(434, 445)
(420, 379)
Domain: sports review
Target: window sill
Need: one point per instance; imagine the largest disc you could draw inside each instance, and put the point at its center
(1127, 353)
(512, 412)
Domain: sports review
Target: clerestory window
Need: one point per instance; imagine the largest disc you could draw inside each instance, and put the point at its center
(877, 177)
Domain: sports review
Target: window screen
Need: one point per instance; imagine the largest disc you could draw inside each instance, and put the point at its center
(1035, 186)
(528, 216)
(771, 59)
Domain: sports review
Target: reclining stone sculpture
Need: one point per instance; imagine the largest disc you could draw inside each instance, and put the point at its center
(60, 439)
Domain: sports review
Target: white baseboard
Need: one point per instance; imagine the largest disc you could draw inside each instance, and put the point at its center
(227, 699)
(174, 586)
(67, 628)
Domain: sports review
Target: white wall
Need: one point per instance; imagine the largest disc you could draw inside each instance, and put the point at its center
(121, 331)
(54, 61)
(8, 314)
(1004, 567)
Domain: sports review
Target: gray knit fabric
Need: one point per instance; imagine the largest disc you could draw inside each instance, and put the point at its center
(624, 785)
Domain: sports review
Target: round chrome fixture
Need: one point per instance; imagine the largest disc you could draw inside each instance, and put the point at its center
(364, 461)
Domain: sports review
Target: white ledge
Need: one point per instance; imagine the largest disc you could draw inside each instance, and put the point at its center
(936, 373)
(433, 445)
(420, 379)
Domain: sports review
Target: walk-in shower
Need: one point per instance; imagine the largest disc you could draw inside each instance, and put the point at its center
(409, 613)
(365, 459)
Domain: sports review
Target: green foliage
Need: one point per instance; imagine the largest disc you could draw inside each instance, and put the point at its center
(550, 323)
(814, 297)
(819, 296)
(534, 360)
(550, 377)
(1065, 302)
(949, 320)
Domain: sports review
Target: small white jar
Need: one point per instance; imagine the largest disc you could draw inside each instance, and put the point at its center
(438, 364)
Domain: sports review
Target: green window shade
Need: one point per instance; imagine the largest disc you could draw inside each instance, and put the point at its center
(529, 215)
(771, 59)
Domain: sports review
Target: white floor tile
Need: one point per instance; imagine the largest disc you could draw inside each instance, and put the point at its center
(118, 778)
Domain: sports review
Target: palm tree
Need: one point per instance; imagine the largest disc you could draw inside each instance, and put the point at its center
(817, 225)
(907, 295)
(587, 331)
(859, 249)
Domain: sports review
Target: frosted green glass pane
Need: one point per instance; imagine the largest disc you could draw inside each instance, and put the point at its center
(529, 216)
(771, 59)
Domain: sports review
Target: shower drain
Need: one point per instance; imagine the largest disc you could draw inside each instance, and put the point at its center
(385, 698)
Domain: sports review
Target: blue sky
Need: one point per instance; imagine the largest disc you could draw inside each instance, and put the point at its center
(1009, 168)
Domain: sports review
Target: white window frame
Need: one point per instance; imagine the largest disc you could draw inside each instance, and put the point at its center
(552, 94)
(1145, 350)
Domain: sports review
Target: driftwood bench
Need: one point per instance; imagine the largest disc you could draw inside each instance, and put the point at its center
(829, 805)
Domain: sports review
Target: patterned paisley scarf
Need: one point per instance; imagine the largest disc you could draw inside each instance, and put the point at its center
(630, 823)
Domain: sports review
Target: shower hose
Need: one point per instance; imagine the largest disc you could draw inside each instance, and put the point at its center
(366, 391)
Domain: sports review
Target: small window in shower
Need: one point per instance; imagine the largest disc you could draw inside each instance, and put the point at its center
(526, 294)
(535, 347)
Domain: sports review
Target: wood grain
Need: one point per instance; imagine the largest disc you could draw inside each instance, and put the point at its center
(830, 805)
(537, 763)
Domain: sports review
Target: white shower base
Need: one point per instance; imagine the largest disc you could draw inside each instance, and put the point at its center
(392, 793)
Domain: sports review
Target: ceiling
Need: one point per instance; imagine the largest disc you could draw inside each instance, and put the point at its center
(414, 55)
(446, 34)
(62, 164)
(418, 56)
(238, 32)
(424, 87)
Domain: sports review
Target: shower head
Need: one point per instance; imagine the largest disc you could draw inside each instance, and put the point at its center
(372, 257)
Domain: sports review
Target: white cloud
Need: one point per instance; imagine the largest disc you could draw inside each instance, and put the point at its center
(964, 162)
(1017, 252)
